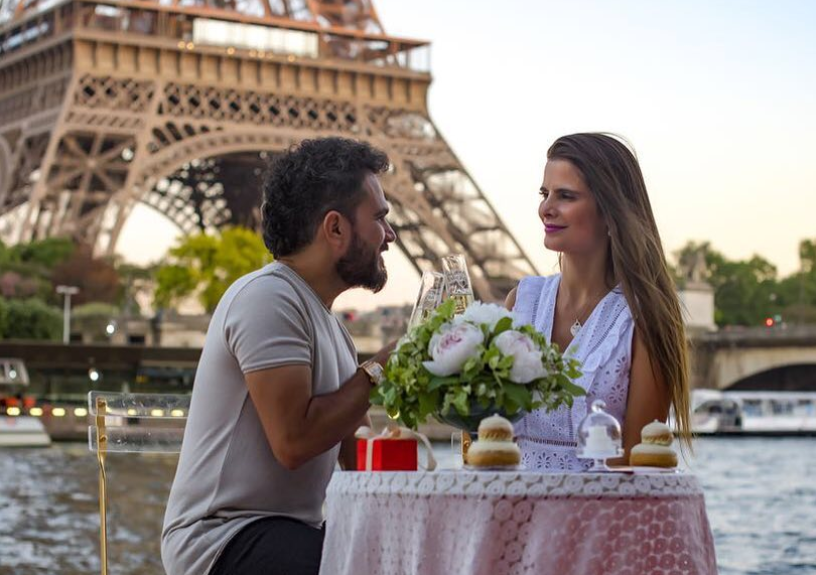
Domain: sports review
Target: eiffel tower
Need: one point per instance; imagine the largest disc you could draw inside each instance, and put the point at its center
(178, 103)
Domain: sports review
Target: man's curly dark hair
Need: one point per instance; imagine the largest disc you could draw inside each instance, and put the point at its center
(306, 182)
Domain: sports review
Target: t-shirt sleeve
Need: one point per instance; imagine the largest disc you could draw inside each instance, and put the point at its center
(267, 326)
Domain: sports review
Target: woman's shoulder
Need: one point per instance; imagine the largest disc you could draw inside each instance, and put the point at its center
(534, 285)
(539, 280)
(529, 295)
(618, 301)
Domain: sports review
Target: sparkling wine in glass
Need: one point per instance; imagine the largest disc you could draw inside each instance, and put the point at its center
(429, 298)
(457, 281)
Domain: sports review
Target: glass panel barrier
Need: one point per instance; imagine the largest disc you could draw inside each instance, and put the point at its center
(153, 405)
(137, 439)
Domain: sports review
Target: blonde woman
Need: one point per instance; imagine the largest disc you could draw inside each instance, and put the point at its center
(613, 306)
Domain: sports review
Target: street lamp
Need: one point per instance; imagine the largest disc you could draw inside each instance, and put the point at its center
(67, 291)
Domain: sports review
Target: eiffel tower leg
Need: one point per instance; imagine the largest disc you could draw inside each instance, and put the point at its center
(86, 163)
(131, 193)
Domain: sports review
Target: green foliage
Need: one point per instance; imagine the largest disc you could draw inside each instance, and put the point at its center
(205, 266)
(25, 269)
(746, 292)
(29, 319)
(95, 309)
(807, 256)
(412, 393)
(46, 253)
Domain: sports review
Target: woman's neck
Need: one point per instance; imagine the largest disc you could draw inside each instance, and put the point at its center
(584, 278)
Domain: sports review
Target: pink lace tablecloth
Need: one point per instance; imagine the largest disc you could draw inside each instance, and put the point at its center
(493, 523)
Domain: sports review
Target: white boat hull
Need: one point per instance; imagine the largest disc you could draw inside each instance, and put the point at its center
(753, 413)
(23, 431)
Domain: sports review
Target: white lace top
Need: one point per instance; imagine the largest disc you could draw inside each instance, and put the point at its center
(604, 347)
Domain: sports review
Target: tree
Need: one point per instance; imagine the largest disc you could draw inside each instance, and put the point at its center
(25, 269)
(29, 319)
(46, 253)
(96, 278)
(745, 292)
(797, 293)
(807, 256)
(206, 265)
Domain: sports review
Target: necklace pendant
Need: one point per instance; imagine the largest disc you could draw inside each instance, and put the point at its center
(575, 328)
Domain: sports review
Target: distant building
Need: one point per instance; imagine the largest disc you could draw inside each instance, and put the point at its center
(697, 301)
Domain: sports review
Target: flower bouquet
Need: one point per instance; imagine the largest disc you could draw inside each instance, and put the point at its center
(462, 368)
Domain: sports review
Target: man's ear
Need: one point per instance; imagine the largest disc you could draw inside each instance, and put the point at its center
(337, 230)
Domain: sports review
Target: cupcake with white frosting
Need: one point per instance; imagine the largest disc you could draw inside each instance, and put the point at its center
(495, 446)
(655, 448)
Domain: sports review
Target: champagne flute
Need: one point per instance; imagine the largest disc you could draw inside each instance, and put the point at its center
(457, 452)
(457, 281)
(428, 299)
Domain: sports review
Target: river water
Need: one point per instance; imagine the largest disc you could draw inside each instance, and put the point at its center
(760, 496)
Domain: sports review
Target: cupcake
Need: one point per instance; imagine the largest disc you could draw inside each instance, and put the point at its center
(495, 446)
(655, 448)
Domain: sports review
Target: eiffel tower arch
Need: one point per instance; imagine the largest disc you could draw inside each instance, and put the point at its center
(178, 103)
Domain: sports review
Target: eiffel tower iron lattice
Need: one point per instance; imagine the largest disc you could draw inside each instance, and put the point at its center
(177, 103)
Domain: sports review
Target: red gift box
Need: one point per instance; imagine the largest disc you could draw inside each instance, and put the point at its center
(386, 454)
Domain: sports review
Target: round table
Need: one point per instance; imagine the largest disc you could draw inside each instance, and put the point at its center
(456, 522)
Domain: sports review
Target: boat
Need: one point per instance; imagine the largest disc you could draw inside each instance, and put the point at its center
(18, 426)
(765, 413)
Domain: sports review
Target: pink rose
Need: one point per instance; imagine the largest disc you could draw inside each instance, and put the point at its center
(452, 347)
(527, 364)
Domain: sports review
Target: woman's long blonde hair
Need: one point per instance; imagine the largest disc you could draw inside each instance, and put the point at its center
(636, 259)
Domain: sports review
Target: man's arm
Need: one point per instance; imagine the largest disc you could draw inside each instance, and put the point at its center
(348, 447)
(300, 426)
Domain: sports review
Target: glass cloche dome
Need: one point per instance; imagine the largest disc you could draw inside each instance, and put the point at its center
(599, 437)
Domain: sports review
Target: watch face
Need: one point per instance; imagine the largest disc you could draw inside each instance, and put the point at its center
(374, 371)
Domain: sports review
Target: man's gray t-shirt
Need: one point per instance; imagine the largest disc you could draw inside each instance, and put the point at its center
(227, 475)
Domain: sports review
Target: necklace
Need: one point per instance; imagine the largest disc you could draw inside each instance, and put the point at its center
(577, 325)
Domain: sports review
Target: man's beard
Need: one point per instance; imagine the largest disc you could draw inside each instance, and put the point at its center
(360, 268)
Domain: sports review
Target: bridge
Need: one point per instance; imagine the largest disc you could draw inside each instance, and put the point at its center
(769, 359)
(779, 358)
(776, 359)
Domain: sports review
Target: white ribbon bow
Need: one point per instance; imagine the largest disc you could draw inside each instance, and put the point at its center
(368, 434)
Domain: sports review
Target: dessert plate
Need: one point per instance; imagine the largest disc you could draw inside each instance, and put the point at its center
(642, 470)
(494, 468)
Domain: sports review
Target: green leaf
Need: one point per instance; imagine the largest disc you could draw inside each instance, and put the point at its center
(572, 388)
(518, 393)
(460, 402)
(502, 325)
(428, 402)
(437, 382)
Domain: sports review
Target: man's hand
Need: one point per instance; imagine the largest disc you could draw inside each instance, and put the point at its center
(381, 356)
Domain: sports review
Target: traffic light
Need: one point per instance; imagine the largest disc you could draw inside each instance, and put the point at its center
(769, 322)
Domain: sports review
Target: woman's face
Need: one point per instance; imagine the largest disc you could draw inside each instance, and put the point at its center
(572, 222)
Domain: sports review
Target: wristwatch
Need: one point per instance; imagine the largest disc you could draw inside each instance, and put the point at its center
(373, 370)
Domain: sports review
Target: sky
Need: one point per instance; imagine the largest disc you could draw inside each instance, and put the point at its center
(717, 97)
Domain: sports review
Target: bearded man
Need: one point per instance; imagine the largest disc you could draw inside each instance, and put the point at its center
(278, 393)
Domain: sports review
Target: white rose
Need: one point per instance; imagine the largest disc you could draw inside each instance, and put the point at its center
(527, 364)
(485, 313)
(452, 347)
